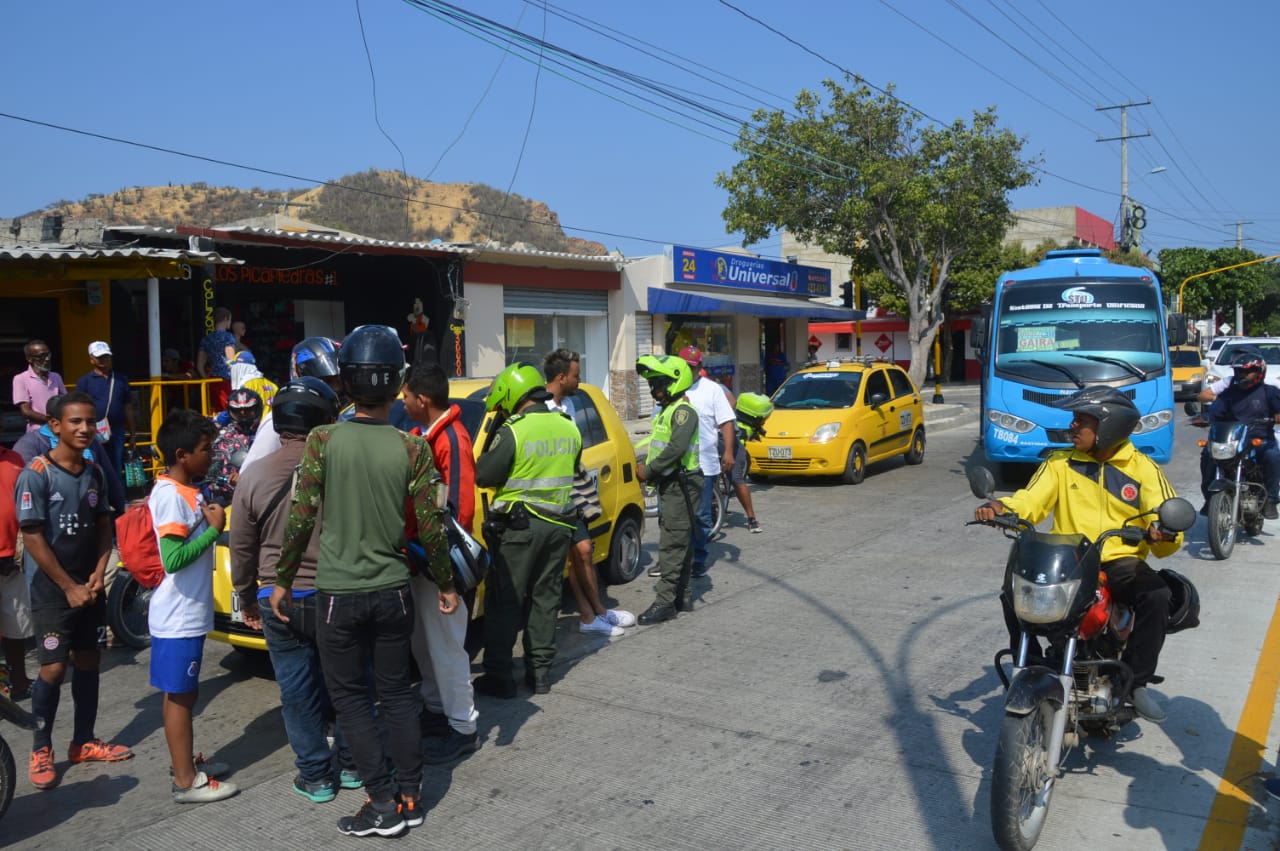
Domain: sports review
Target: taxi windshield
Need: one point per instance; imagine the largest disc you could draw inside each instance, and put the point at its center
(815, 390)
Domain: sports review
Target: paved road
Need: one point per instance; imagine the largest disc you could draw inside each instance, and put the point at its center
(833, 689)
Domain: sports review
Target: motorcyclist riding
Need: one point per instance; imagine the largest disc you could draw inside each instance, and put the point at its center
(1090, 489)
(1248, 399)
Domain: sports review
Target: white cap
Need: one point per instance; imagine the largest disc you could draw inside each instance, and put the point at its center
(98, 348)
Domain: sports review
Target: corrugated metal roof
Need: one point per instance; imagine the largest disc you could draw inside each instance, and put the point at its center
(492, 250)
(65, 253)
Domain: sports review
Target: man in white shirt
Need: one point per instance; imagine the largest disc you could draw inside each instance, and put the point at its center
(715, 417)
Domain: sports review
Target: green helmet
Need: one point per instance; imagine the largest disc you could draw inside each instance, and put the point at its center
(753, 409)
(511, 387)
(669, 371)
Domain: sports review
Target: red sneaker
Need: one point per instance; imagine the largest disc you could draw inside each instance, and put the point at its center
(42, 773)
(98, 751)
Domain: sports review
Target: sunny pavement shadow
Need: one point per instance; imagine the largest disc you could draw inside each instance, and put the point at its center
(81, 788)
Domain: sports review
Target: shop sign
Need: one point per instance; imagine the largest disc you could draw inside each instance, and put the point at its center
(267, 275)
(883, 343)
(719, 269)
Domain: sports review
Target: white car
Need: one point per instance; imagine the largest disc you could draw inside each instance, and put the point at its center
(1219, 362)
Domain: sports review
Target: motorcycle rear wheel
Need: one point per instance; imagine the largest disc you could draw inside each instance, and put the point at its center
(1019, 777)
(8, 776)
(1222, 525)
(128, 604)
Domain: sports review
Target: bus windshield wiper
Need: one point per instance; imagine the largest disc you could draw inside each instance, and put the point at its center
(1060, 368)
(1120, 362)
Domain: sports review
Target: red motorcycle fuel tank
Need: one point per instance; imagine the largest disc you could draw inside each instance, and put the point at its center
(1095, 619)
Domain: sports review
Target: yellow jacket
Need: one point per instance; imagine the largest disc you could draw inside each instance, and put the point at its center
(1088, 497)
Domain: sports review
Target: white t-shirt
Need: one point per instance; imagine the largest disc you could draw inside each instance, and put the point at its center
(265, 441)
(182, 605)
(714, 410)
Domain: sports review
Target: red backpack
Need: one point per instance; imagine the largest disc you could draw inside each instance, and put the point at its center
(136, 541)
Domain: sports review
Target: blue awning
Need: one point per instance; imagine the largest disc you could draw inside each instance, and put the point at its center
(683, 301)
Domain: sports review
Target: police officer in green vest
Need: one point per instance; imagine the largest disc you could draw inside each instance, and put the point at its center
(529, 461)
(672, 465)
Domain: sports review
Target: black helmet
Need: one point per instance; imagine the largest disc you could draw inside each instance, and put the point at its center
(371, 363)
(316, 356)
(303, 404)
(244, 406)
(1184, 601)
(1116, 413)
(1250, 367)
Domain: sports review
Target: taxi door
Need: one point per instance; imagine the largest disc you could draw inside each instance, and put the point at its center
(878, 424)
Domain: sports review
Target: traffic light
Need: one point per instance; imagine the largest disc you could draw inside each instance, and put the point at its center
(846, 293)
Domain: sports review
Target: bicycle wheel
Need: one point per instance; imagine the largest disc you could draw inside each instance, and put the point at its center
(719, 503)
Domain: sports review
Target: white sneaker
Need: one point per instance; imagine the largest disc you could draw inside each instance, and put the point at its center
(620, 617)
(601, 626)
(204, 790)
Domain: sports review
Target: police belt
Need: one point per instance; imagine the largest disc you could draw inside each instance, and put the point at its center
(497, 522)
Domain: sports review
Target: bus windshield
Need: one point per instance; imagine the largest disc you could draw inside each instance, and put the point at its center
(1082, 330)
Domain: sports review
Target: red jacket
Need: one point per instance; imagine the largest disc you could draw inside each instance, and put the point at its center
(455, 459)
(11, 465)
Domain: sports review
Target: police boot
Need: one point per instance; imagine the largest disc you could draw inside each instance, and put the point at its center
(684, 603)
(656, 613)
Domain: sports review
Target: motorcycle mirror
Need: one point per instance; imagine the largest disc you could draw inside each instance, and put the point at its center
(981, 482)
(1191, 408)
(1177, 514)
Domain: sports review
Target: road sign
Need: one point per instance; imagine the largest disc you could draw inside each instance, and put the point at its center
(883, 343)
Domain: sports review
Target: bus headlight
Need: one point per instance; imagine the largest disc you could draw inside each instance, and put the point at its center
(1009, 421)
(1153, 421)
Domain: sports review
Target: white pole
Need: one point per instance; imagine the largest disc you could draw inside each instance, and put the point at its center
(153, 326)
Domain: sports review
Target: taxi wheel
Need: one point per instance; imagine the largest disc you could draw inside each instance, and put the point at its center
(915, 454)
(623, 564)
(855, 469)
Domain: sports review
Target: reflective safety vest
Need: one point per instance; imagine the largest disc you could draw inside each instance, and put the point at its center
(546, 455)
(661, 436)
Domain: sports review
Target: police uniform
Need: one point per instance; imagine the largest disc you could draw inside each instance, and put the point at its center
(531, 463)
(672, 464)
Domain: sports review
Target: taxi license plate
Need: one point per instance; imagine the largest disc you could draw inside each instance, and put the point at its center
(236, 616)
(780, 453)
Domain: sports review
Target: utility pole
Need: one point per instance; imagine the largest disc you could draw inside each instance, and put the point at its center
(1129, 223)
(1240, 244)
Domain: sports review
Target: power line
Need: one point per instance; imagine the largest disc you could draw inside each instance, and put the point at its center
(373, 80)
(533, 106)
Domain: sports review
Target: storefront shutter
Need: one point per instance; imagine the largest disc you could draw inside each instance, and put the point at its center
(644, 346)
(566, 302)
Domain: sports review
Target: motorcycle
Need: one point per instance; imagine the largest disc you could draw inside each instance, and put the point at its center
(1081, 687)
(14, 714)
(1238, 491)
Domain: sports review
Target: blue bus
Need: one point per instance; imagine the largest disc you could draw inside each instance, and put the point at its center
(1074, 320)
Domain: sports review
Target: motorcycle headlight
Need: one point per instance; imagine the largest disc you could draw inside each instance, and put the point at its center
(1009, 421)
(825, 433)
(1042, 603)
(1222, 451)
(1153, 421)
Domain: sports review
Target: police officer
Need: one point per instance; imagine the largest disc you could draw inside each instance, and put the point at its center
(672, 464)
(530, 461)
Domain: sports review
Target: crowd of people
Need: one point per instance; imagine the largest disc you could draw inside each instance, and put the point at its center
(340, 547)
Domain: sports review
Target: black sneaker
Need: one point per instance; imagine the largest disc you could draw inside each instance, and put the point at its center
(411, 811)
(433, 723)
(1269, 510)
(453, 745)
(493, 685)
(383, 819)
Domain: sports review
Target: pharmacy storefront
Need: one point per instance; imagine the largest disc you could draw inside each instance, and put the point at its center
(749, 315)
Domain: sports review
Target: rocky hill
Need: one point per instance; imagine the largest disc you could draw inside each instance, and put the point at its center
(371, 203)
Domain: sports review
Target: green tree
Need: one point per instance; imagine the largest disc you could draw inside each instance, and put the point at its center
(1248, 285)
(861, 177)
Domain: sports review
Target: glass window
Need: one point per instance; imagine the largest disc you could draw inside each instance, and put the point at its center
(713, 338)
(901, 383)
(818, 390)
(588, 421)
(877, 383)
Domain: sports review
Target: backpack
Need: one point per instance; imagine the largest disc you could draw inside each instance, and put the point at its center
(136, 541)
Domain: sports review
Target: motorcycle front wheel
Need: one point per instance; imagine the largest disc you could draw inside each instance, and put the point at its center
(1022, 779)
(1222, 525)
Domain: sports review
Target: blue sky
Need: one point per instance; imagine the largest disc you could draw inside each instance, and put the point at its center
(284, 85)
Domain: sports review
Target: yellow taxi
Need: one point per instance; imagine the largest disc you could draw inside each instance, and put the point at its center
(1188, 372)
(835, 418)
(607, 454)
